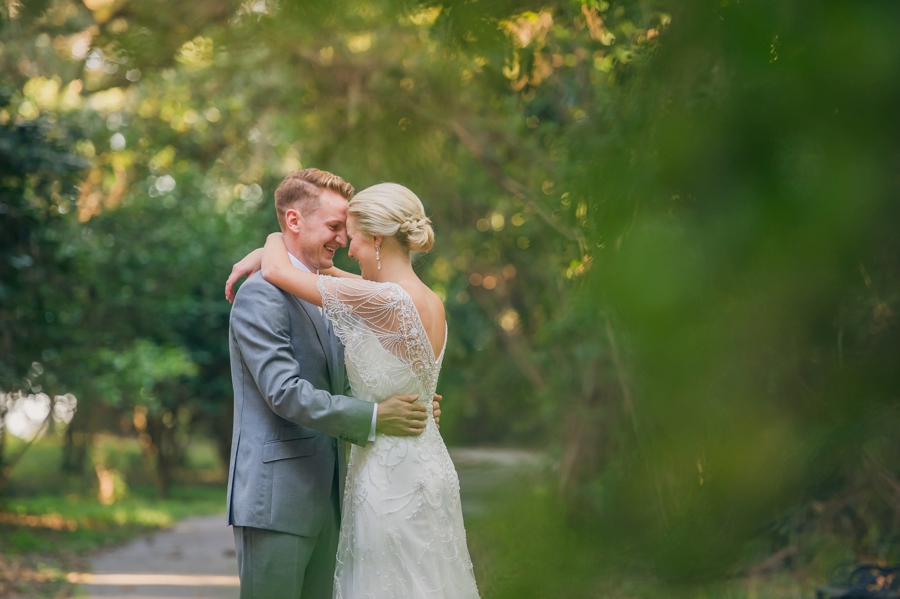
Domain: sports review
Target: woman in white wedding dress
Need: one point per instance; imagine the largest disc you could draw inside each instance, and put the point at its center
(402, 532)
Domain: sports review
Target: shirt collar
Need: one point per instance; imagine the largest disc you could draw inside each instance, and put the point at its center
(297, 263)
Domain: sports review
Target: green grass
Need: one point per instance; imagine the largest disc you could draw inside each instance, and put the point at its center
(82, 524)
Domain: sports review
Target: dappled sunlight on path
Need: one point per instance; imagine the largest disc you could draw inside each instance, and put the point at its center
(195, 558)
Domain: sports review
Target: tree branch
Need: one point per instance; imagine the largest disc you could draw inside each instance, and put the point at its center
(620, 374)
(508, 183)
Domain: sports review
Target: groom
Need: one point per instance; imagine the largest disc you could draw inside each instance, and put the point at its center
(286, 478)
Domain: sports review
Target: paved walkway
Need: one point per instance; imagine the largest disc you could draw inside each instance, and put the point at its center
(195, 558)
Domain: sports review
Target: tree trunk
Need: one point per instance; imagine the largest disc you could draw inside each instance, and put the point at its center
(592, 427)
(4, 408)
(166, 448)
(77, 441)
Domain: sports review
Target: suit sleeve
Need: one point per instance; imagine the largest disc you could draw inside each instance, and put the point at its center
(261, 327)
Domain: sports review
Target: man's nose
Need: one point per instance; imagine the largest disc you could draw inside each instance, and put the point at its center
(341, 238)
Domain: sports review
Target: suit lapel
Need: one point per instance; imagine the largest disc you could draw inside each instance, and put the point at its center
(322, 333)
(318, 320)
(339, 372)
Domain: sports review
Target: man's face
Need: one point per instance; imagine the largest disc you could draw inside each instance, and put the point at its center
(323, 231)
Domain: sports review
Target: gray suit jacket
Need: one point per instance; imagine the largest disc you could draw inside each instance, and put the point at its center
(289, 406)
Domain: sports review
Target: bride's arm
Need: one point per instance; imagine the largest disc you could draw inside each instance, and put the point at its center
(252, 262)
(247, 265)
(334, 271)
(278, 270)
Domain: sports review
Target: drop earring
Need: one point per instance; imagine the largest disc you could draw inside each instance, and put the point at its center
(378, 256)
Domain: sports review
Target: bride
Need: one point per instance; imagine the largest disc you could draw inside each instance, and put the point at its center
(402, 531)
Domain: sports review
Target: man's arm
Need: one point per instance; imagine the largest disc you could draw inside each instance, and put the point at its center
(262, 330)
(435, 405)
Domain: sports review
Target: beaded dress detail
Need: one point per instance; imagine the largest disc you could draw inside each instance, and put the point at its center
(402, 533)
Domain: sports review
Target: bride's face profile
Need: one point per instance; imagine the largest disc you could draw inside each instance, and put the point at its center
(362, 249)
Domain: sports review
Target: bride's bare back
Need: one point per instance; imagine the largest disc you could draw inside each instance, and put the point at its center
(431, 312)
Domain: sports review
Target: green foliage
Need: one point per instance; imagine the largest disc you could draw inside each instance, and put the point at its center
(136, 372)
(39, 173)
(581, 560)
(762, 206)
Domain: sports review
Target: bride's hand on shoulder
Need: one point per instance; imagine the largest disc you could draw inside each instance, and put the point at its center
(245, 267)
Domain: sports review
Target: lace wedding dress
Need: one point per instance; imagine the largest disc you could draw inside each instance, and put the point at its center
(402, 531)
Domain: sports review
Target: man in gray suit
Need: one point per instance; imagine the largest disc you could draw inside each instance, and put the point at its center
(286, 477)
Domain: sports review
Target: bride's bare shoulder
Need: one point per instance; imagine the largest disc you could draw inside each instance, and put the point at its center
(426, 300)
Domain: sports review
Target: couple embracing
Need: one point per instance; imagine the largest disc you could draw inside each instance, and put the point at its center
(321, 358)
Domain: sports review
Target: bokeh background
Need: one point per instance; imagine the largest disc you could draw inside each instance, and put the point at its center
(667, 241)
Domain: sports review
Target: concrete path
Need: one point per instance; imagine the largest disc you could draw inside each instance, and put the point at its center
(195, 558)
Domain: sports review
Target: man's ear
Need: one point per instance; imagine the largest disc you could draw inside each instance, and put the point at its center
(292, 219)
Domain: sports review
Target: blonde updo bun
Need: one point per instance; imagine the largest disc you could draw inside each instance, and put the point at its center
(391, 210)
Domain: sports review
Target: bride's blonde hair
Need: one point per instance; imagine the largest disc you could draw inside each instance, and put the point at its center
(391, 210)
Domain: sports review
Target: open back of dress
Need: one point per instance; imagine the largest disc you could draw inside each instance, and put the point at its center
(402, 532)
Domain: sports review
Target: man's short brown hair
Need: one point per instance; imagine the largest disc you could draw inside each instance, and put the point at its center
(301, 190)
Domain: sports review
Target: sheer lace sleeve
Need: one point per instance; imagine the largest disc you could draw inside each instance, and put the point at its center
(359, 308)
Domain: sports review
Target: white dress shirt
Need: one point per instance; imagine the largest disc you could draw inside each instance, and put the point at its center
(302, 266)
